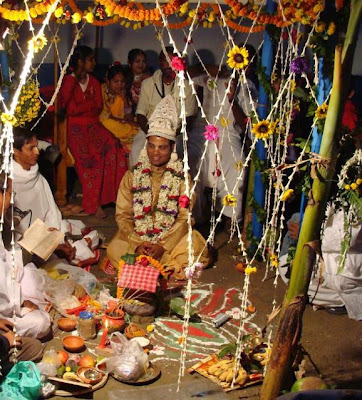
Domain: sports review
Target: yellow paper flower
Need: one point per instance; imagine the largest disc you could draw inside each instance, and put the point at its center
(238, 57)
(321, 111)
(76, 17)
(8, 119)
(321, 26)
(250, 270)
(331, 28)
(89, 17)
(347, 187)
(359, 181)
(238, 165)
(37, 43)
(287, 195)
(150, 328)
(263, 129)
(354, 186)
(224, 122)
(58, 12)
(229, 200)
(274, 260)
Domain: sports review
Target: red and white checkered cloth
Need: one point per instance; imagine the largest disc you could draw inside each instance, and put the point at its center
(139, 277)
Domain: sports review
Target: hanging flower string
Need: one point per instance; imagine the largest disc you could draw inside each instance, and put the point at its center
(263, 129)
(194, 271)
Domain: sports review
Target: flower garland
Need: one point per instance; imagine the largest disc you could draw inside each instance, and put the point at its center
(28, 104)
(151, 228)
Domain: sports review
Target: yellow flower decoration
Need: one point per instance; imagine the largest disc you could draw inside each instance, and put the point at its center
(321, 111)
(238, 165)
(58, 12)
(347, 187)
(274, 260)
(359, 181)
(8, 119)
(287, 195)
(76, 17)
(250, 270)
(263, 129)
(229, 200)
(331, 28)
(354, 186)
(292, 85)
(224, 121)
(321, 26)
(89, 17)
(37, 43)
(238, 57)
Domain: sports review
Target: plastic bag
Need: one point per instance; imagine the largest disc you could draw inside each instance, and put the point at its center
(131, 361)
(22, 383)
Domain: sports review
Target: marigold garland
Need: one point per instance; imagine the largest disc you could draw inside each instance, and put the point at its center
(28, 105)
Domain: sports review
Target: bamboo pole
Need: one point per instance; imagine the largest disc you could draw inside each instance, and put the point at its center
(289, 328)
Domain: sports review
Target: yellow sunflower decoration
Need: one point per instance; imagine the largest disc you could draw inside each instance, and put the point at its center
(321, 111)
(8, 119)
(263, 129)
(229, 200)
(238, 57)
(37, 43)
(287, 195)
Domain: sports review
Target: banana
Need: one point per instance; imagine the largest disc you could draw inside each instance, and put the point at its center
(242, 376)
(71, 376)
(221, 370)
(230, 375)
(224, 375)
(218, 365)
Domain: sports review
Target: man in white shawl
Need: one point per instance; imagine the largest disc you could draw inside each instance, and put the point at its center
(22, 301)
(33, 194)
(331, 289)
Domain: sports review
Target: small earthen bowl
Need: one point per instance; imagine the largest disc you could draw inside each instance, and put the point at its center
(89, 375)
(66, 324)
(73, 344)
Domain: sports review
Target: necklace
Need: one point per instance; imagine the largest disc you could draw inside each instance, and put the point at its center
(162, 93)
(137, 77)
(148, 227)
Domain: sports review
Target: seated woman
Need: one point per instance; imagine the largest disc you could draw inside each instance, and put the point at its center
(136, 73)
(117, 115)
(151, 218)
(22, 303)
(100, 161)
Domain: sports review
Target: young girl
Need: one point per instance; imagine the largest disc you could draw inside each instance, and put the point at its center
(100, 160)
(117, 115)
(136, 73)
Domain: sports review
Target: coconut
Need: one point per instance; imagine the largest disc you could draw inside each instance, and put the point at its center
(309, 383)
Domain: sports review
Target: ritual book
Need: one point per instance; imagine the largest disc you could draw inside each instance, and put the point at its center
(39, 240)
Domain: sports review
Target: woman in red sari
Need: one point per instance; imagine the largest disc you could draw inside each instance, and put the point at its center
(100, 161)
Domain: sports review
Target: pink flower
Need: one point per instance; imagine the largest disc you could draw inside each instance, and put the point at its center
(184, 201)
(178, 63)
(211, 132)
(194, 271)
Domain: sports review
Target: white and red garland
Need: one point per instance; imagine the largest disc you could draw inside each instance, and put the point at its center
(149, 225)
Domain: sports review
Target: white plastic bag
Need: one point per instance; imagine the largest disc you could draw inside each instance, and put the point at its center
(130, 361)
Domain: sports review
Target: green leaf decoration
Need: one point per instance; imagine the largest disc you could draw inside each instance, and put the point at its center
(227, 349)
(177, 305)
(129, 258)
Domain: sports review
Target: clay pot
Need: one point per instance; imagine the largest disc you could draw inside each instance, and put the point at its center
(73, 344)
(66, 324)
(89, 375)
(113, 320)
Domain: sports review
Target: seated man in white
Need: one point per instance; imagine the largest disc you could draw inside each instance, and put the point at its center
(22, 301)
(33, 194)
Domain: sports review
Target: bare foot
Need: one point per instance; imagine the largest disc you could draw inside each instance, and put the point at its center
(100, 213)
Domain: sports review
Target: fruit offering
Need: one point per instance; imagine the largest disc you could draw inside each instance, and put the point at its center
(224, 371)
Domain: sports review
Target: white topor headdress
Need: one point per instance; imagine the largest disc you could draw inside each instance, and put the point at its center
(164, 119)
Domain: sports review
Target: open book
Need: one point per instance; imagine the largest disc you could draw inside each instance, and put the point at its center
(38, 240)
